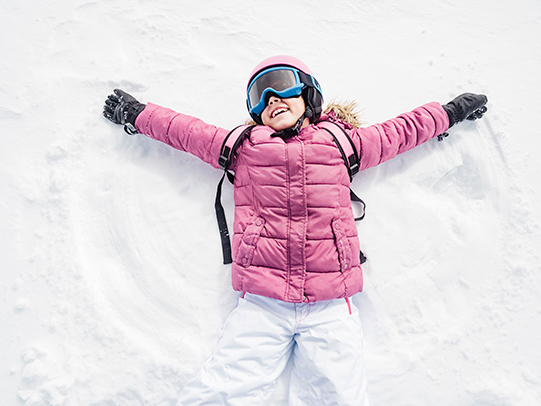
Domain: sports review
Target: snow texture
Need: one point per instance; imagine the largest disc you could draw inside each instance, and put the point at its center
(112, 290)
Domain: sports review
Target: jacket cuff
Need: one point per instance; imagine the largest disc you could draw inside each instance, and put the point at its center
(143, 118)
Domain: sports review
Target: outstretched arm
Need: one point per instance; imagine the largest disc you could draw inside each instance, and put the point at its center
(380, 142)
(180, 131)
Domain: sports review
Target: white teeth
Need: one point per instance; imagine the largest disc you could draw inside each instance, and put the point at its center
(275, 113)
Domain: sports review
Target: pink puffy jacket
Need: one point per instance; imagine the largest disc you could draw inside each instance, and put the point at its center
(294, 236)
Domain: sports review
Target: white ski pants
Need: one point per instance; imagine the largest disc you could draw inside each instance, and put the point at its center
(259, 336)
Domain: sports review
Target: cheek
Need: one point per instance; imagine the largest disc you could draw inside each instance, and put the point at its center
(264, 117)
(298, 106)
(265, 113)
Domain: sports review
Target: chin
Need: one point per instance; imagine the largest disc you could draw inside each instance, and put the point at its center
(283, 124)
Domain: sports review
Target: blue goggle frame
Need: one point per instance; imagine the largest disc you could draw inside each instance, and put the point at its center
(292, 91)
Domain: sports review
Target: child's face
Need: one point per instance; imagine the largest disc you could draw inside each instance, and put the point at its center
(284, 113)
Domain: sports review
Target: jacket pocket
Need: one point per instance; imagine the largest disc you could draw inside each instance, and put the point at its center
(248, 242)
(342, 245)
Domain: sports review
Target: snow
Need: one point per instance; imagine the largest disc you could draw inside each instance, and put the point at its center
(112, 290)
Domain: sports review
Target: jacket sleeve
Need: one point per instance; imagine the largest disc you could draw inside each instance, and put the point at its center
(380, 142)
(182, 132)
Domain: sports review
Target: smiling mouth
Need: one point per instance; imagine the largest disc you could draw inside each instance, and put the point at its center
(279, 111)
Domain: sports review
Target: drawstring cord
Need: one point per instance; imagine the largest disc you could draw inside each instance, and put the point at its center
(349, 304)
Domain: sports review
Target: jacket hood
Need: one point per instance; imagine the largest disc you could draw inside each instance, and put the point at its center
(345, 112)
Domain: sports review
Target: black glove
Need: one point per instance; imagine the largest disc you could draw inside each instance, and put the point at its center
(122, 108)
(466, 106)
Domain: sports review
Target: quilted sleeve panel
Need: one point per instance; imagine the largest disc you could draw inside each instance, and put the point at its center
(182, 132)
(380, 142)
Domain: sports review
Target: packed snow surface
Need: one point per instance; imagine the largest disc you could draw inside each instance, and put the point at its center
(112, 290)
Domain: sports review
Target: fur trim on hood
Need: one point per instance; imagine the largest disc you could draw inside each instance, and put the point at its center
(346, 112)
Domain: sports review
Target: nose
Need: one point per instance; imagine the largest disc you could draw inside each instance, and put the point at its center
(273, 99)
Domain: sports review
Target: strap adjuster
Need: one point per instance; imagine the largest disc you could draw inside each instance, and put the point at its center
(223, 160)
(130, 129)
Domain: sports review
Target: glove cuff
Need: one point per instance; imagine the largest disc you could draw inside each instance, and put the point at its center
(449, 109)
(132, 111)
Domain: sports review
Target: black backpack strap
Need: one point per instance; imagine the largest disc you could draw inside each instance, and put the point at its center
(345, 145)
(357, 199)
(230, 144)
(222, 223)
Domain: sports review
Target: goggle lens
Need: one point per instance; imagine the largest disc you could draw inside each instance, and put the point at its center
(283, 82)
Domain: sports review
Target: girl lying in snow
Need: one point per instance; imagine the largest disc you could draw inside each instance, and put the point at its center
(295, 252)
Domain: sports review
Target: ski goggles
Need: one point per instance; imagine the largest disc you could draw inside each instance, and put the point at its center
(282, 81)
